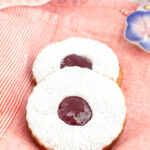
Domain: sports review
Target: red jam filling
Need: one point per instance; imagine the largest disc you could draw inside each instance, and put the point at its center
(75, 60)
(74, 111)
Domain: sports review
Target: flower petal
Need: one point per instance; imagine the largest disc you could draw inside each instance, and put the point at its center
(145, 44)
(134, 33)
(146, 18)
(138, 29)
(135, 17)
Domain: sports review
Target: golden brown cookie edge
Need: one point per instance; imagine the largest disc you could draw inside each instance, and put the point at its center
(42, 147)
(120, 78)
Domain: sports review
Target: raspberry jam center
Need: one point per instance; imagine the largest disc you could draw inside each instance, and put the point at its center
(74, 111)
(76, 60)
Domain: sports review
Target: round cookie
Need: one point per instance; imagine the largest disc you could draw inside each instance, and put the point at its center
(85, 53)
(76, 109)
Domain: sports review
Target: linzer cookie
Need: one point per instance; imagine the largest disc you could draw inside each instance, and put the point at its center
(76, 109)
(84, 53)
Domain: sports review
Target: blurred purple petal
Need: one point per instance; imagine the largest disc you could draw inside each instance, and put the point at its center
(145, 44)
(138, 29)
(134, 33)
(146, 19)
(135, 17)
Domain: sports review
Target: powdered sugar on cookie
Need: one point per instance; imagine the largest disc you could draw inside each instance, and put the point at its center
(103, 60)
(103, 96)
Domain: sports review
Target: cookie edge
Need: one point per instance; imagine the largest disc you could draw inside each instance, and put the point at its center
(42, 147)
(120, 77)
(118, 81)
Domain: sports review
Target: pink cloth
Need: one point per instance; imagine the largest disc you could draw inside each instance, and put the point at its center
(24, 31)
(6, 3)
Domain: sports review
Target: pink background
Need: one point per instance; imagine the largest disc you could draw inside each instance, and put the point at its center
(100, 20)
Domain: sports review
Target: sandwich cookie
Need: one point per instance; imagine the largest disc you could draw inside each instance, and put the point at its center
(76, 109)
(84, 53)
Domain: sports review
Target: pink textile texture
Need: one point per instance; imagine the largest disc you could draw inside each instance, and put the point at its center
(24, 31)
(6, 3)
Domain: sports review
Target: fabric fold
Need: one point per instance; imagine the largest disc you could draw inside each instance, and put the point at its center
(10, 3)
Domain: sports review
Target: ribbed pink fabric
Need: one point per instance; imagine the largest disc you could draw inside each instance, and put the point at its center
(24, 31)
(21, 37)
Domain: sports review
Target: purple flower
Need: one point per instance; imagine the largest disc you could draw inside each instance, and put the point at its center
(138, 29)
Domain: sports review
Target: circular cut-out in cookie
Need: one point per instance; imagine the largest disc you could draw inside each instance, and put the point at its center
(76, 109)
(85, 53)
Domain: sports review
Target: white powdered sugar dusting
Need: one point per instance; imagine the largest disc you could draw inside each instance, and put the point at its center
(103, 96)
(103, 59)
